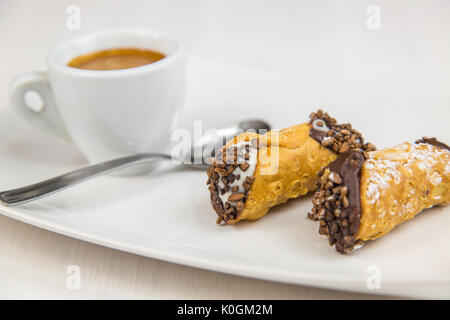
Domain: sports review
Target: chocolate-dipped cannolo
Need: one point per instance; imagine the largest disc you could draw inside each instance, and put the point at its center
(362, 196)
(254, 172)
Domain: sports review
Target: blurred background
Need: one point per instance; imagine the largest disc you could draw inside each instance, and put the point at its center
(276, 60)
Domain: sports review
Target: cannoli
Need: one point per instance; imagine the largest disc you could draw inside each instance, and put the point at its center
(362, 196)
(254, 172)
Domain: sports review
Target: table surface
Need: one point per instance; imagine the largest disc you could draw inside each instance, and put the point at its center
(34, 262)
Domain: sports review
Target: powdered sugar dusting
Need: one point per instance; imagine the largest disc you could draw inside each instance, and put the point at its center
(435, 178)
(380, 178)
(384, 167)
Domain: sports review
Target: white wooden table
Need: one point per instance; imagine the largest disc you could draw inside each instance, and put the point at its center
(34, 262)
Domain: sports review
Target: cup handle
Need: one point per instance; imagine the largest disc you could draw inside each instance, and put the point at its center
(47, 117)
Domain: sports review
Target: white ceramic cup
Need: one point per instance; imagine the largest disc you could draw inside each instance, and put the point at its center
(109, 114)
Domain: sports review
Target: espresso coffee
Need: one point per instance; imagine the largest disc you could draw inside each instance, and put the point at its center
(115, 59)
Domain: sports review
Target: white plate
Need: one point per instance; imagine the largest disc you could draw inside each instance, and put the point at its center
(167, 215)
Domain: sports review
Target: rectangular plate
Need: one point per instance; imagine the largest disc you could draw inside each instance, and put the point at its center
(166, 214)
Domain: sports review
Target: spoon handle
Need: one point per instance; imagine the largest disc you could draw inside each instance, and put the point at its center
(47, 187)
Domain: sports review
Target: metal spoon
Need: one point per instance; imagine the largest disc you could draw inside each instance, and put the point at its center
(50, 186)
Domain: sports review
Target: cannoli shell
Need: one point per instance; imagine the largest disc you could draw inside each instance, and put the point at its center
(300, 157)
(398, 183)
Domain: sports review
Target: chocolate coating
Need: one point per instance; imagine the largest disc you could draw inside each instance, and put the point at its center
(434, 142)
(337, 137)
(317, 134)
(337, 203)
(348, 165)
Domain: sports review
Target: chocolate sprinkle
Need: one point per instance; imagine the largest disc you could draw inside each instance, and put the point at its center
(337, 137)
(222, 171)
(337, 203)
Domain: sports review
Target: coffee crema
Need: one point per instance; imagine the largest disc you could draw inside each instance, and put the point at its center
(115, 59)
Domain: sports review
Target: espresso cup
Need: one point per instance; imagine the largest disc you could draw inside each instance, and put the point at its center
(114, 113)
